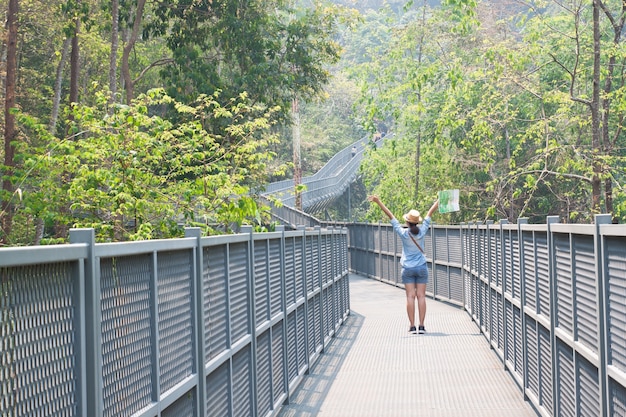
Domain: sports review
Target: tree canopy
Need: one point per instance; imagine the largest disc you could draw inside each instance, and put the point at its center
(517, 104)
(138, 117)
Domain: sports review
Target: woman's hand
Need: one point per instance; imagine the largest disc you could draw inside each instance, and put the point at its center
(373, 198)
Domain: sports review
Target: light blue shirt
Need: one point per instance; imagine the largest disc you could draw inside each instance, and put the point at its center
(411, 255)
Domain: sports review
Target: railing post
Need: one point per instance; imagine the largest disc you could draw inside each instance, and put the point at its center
(433, 265)
(462, 238)
(252, 308)
(602, 293)
(197, 293)
(488, 231)
(320, 283)
(93, 403)
(553, 319)
(502, 287)
(307, 341)
(522, 298)
(283, 306)
(378, 248)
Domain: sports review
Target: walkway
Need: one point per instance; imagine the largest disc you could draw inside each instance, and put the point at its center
(374, 368)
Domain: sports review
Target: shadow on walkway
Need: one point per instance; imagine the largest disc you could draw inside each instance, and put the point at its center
(312, 392)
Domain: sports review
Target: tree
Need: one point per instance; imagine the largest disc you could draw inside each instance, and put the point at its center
(256, 47)
(10, 130)
(129, 83)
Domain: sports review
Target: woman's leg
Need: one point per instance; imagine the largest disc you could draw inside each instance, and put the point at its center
(411, 293)
(420, 292)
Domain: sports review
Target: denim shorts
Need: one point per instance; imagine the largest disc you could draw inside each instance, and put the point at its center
(415, 275)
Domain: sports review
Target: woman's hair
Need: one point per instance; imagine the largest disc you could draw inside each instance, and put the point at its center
(413, 228)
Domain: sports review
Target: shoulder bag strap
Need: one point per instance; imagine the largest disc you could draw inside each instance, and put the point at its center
(415, 241)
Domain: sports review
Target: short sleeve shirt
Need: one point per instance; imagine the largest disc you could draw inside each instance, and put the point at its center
(411, 255)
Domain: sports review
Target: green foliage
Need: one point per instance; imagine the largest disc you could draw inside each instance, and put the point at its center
(269, 50)
(510, 106)
(131, 175)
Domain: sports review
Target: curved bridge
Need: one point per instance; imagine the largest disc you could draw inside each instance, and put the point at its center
(322, 188)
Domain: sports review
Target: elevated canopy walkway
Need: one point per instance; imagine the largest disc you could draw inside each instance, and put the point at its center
(322, 189)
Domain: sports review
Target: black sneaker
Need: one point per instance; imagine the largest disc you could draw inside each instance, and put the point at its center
(412, 330)
(422, 330)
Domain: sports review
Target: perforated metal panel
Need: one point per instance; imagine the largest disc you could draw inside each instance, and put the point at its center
(38, 337)
(588, 395)
(564, 287)
(215, 301)
(184, 406)
(292, 346)
(239, 291)
(328, 310)
(566, 386)
(443, 281)
(519, 343)
(126, 334)
(586, 306)
(516, 290)
(242, 383)
(507, 279)
(299, 268)
(509, 353)
(263, 373)
(312, 263)
(346, 295)
(326, 264)
(261, 282)
(617, 402)
(218, 392)
(616, 303)
(485, 305)
(500, 317)
(290, 271)
(543, 274)
(530, 276)
(314, 324)
(532, 354)
(276, 285)
(496, 318)
(175, 317)
(301, 347)
(278, 370)
(441, 244)
(545, 369)
(456, 285)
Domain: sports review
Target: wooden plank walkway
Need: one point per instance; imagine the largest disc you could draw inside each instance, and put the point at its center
(374, 368)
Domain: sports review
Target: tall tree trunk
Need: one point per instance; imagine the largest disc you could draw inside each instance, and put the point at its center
(115, 11)
(58, 85)
(128, 82)
(596, 133)
(10, 131)
(607, 144)
(62, 227)
(74, 65)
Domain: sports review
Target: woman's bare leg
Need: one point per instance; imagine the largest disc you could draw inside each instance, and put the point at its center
(421, 301)
(411, 293)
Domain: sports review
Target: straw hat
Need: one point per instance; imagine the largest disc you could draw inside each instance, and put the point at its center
(413, 216)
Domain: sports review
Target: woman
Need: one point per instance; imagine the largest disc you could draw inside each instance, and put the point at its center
(413, 261)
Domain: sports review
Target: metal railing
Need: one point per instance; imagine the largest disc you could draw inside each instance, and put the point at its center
(213, 326)
(330, 182)
(550, 299)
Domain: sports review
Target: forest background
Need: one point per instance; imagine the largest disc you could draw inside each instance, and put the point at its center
(139, 117)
